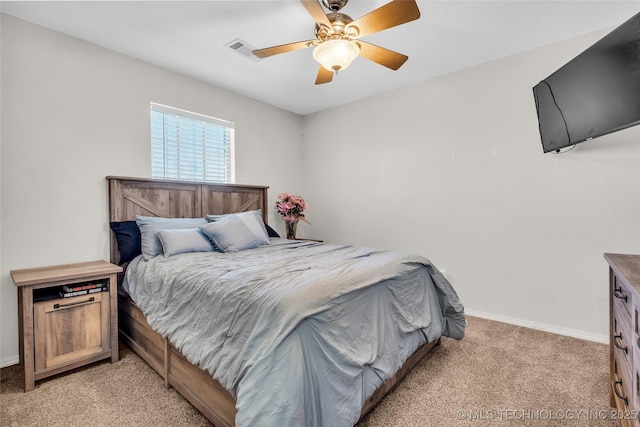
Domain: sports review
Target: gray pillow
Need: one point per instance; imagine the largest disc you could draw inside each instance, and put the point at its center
(237, 232)
(257, 213)
(184, 240)
(150, 226)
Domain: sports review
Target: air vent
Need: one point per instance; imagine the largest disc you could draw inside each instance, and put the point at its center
(243, 48)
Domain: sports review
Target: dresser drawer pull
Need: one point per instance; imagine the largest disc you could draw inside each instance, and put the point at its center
(619, 393)
(57, 306)
(615, 342)
(617, 292)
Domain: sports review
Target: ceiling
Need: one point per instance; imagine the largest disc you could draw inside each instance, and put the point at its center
(190, 37)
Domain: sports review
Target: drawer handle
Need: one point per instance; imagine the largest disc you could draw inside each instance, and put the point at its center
(57, 306)
(615, 342)
(619, 394)
(617, 292)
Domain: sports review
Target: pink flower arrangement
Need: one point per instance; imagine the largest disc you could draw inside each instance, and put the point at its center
(291, 208)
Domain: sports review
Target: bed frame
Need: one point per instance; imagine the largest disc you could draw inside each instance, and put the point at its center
(129, 197)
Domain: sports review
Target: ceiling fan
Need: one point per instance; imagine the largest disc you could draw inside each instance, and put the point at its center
(338, 42)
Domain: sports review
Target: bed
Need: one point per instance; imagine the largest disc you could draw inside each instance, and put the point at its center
(199, 375)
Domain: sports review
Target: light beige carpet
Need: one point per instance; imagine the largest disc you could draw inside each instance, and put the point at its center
(498, 375)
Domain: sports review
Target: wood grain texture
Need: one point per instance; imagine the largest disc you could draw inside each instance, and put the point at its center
(27, 334)
(56, 273)
(129, 197)
(63, 333)
(626, 268)
(624, 333)
(113, 316)
(76, 330)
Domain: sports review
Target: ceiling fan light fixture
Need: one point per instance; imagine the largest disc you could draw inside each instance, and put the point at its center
(336, 55)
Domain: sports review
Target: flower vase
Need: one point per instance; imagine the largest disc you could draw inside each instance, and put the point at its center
(291, 229)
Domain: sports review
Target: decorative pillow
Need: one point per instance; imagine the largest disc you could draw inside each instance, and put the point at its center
(128, 238)
(270, 231)
(184, 240)
(237, 232)
(151, 225)
(258, 215)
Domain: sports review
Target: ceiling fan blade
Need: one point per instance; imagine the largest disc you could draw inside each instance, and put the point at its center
(391, 14)
(316, 12)
(283, 48)
(324, 76)
(382, 56)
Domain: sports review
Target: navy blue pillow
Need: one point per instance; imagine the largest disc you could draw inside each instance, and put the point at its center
(128, 237)
(270, 231)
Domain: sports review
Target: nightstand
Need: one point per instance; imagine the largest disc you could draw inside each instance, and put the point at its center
(57, 332)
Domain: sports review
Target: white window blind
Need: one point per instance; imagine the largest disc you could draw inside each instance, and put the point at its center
(191, 147)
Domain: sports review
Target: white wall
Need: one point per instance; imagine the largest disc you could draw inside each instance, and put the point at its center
(453, 168)
(73, 113)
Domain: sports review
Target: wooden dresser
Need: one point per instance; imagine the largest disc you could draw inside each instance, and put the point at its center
(624, 336)
(61, 328)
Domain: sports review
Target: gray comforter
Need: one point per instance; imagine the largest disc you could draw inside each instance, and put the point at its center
(300, 333)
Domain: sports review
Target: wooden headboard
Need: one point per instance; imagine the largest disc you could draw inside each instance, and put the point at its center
(129, 197)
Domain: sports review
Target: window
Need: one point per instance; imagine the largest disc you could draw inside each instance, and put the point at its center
(191, 147)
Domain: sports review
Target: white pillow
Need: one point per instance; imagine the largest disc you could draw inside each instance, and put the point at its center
(184, 240)
(237, 232)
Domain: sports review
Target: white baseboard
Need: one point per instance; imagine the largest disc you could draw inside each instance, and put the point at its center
(13, 360)
(604, 339)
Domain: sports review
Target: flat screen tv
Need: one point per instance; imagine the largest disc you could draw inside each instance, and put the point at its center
(596, 93)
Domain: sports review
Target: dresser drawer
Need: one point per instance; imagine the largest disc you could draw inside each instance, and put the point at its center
(635, 391)
(635, 325)
(622, 383)
(623, 338)
(621, 296)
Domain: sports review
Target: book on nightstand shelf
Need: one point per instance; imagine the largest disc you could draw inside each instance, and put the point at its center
(102, 288)
(83, 286)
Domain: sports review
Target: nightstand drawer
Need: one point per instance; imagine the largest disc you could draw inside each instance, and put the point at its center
(68, 329)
